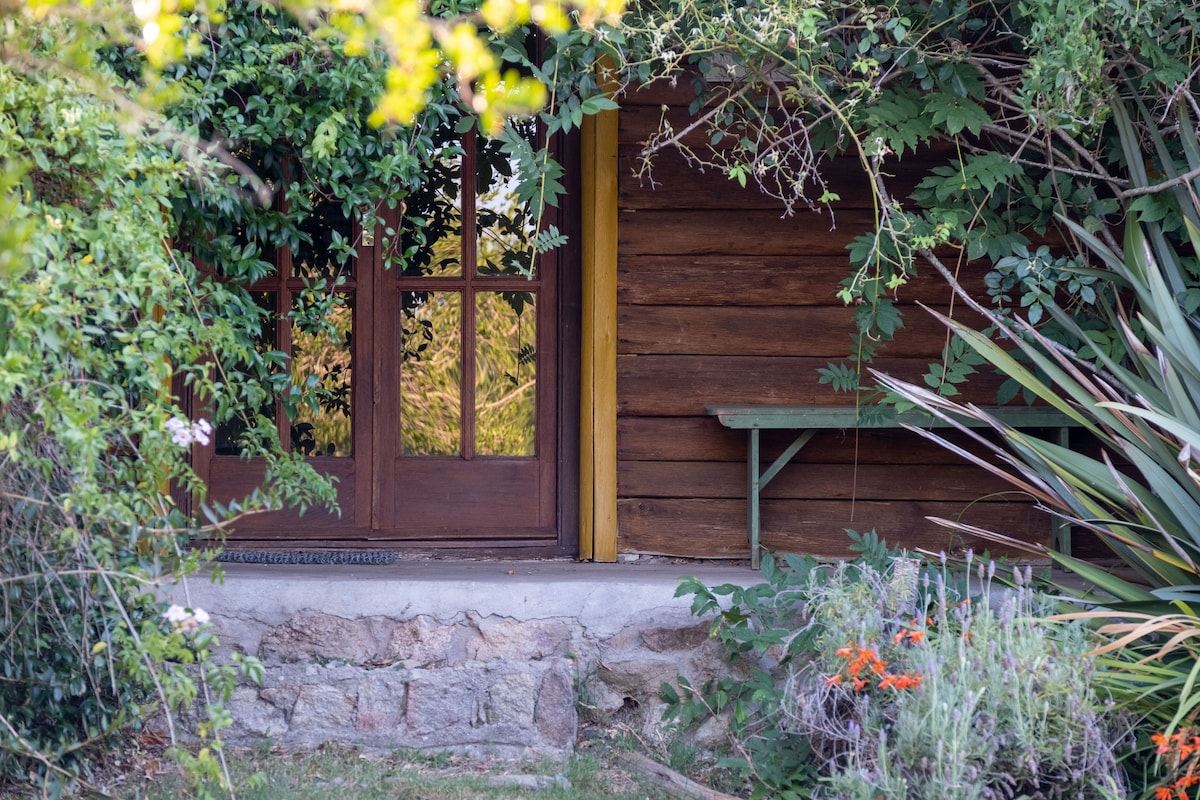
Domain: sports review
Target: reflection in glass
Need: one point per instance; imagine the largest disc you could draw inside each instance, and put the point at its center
(321, 357)
(505, 373)
(505, 226)
(225, 438)
(432, 235)
(431, 367)
(325, 256)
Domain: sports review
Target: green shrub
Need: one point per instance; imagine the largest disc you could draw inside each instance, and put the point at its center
(948, 696)
(97, 315)
(869, 681)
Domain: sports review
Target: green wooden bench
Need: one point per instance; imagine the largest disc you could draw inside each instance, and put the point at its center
(807, 420)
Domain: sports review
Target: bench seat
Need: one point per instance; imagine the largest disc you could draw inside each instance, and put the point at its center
(807, 420)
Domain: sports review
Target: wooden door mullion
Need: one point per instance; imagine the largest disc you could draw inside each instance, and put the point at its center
(470, 252)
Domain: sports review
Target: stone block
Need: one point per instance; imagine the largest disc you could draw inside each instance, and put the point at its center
(312, 635)
(664, 640)
(442, 702)
(507, 638)
(638, 677)
(381, 698)
(323, 712)
(556, 713)
(421, 641)
(510, 698)
(256, 717)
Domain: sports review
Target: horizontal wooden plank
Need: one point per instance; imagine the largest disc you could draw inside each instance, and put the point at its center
(704, 528)
(737, 232)
(799, 481)
(815, 331)
(720, 330)
(741, 280)
(704, 439)
(677, 92)
(663, 386)
(669, 180)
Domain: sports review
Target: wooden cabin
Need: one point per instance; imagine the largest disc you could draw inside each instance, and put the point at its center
(673, 296)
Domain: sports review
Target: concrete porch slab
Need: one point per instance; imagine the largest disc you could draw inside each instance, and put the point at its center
(604, 597)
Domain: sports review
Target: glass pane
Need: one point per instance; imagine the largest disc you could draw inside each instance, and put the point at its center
(505, 373)
(505, 225)
(430, 374)
(321, 358)
(227, 433)
(329, 254)
(432, 234)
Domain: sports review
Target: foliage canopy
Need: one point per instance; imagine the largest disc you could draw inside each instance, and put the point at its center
(124, 130)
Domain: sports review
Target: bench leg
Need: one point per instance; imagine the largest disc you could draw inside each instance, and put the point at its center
(752, 495)
(757, 481)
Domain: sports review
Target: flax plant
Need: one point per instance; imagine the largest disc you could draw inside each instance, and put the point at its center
(1138, 398)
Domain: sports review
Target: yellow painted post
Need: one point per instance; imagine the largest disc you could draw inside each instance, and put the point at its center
(598, 416)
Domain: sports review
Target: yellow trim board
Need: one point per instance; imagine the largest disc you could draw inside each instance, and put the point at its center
(598, 415)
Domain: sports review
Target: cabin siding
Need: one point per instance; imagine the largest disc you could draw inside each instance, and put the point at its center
(723, 300)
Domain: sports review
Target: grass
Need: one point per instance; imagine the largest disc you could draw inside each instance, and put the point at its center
(342, 773)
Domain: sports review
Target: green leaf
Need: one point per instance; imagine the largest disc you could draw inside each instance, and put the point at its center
(956, 114)
(598, 103)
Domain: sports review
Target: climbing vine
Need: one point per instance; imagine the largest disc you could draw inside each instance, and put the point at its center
(1007, 101)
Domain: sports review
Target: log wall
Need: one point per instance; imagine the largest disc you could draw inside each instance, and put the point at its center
(722, 300)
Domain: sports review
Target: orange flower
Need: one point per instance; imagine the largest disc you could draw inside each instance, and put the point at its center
(834, 681)
(900, 682)
(1164, 793)
(1177, 744)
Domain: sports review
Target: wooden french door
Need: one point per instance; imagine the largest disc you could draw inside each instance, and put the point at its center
(441, 410)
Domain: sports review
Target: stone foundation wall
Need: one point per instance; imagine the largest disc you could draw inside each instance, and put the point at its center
(482, 680)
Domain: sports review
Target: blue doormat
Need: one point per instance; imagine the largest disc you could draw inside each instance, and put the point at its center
(305, 557)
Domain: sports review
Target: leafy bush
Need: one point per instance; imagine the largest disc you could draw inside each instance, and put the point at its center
(112, 338)
(762, 628)
(869, 681)
(97, 316)
(999, 113)
(1134, 386)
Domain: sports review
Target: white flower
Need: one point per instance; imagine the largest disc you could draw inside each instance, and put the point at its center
(185, 619)
(178, 428)
(183, 432)
(150, 32)
(201, 431)
(146, 10)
